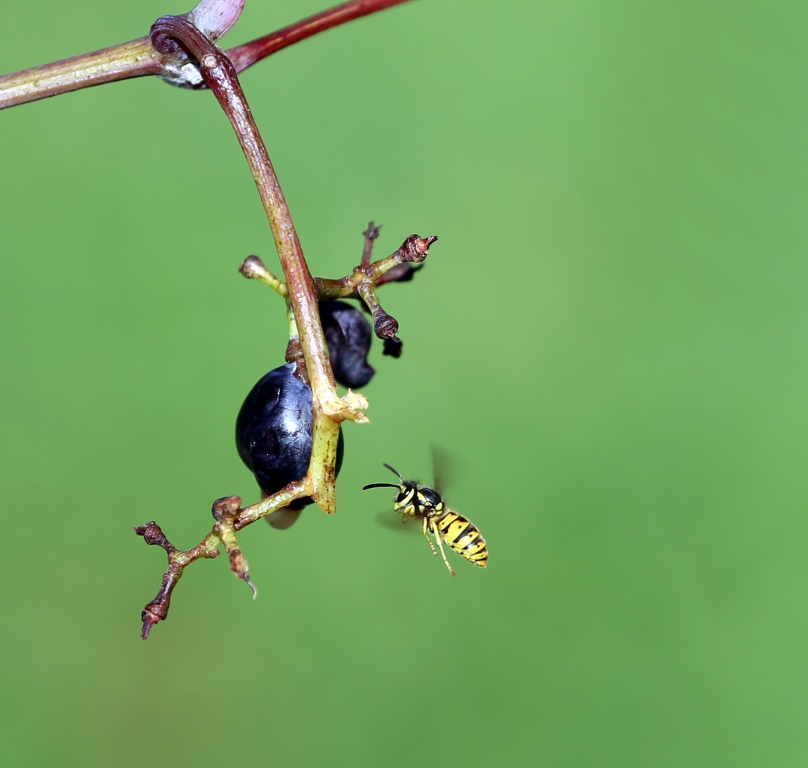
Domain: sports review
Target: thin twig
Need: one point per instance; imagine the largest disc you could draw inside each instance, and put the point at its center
(119, 62)
(412, 251)
(138, 58)
(247, 54)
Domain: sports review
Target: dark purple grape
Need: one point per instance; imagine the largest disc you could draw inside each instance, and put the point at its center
(348, 333)
(274, 431)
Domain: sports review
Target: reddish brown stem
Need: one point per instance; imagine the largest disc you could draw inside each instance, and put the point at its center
(370, 234)
(138, 58)
(221, 78)
(157, 609)
(246, 55)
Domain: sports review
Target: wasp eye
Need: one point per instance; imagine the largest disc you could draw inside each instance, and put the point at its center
(348, 334)
(274, 431)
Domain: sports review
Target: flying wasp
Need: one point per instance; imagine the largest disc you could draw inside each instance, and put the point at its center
(415, 500)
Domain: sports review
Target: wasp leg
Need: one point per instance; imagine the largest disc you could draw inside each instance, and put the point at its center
(426, 536)
(434, 526)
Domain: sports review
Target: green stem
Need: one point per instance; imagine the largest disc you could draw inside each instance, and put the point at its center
(133, 59)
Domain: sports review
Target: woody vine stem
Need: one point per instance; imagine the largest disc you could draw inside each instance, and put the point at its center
(180, 49)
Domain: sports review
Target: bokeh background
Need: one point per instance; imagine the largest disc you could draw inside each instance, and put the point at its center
(609, 340)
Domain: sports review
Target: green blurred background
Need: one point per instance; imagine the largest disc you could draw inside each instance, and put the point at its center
(609, 339)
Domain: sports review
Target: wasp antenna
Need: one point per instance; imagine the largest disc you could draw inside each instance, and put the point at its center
(379, 485)
(394, 471)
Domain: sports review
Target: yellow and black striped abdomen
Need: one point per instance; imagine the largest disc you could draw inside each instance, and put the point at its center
(463, 537)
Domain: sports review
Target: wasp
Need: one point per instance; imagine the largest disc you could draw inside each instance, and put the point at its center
(415, 500)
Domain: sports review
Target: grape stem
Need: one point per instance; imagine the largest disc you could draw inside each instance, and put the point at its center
(138, 58)
(180, 49)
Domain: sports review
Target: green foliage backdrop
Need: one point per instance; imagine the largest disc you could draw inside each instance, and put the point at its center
(609, 339)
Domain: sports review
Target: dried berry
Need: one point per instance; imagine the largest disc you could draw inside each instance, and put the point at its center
(274, 435)
(348, 333)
